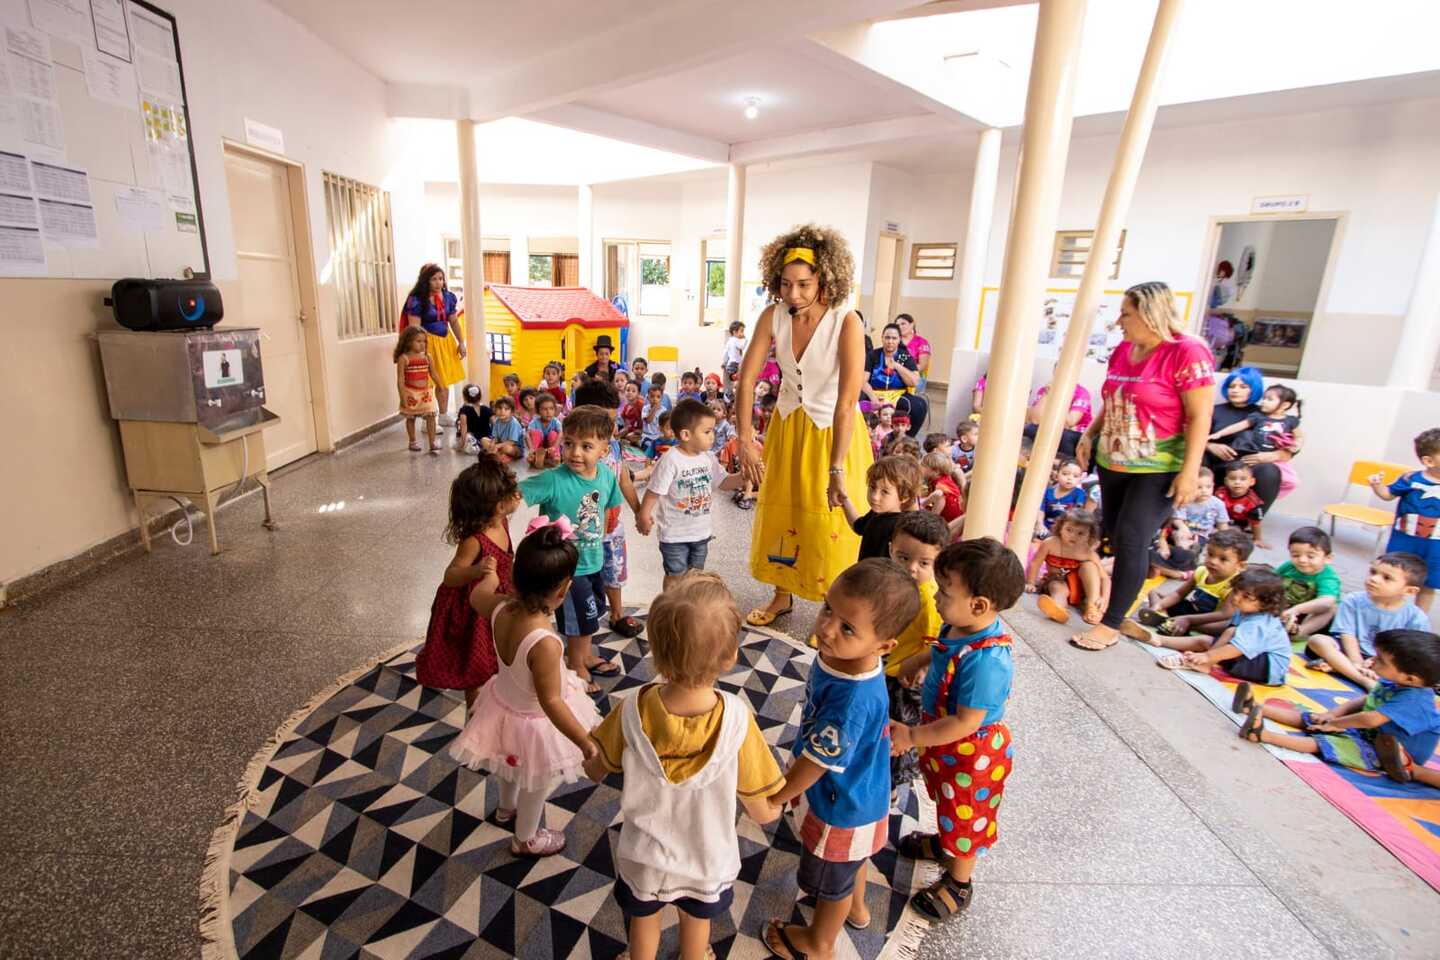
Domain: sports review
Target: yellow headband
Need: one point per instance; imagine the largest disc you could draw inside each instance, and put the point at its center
(799, 253)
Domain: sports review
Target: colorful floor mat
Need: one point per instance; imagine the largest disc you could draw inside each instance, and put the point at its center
(358, 836)
(1403, 817)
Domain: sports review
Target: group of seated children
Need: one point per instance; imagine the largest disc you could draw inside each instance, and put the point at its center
(511, 626)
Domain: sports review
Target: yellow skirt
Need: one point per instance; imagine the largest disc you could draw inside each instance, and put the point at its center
(445, 357)
(798, 543)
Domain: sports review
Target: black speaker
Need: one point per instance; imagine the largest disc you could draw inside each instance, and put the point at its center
(165, 304)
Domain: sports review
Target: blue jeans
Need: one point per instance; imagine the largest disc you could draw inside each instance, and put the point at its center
(679, 557)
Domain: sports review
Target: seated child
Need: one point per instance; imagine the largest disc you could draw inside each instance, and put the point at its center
(1073, 576)
(1062, 496)
(542, 437)
(966, 433)
(1386, 603)
(1312, 587)
(1393, 728)
(1242, 503)
(891, 485)
(1196, 603)
(712, 388)
(657, 379)
(687, 751)
(966, 750)
(690, 387)
(512, 388)
(730, 459)
(1181, 541)
(767, 413)
(1254, 646)
(946, 498)
(940, 442)
(525, 406)
(650, 417)
(842, 753)
(472, 423)
(724, 429)
(655, 449)
(553, 384)
(632, 415)
(1417, 517)
(507, 437)
(918, 539)
(883, 430)
(900, 444)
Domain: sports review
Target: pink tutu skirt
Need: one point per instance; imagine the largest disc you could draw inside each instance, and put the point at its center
(1289, 479)
(523, 746)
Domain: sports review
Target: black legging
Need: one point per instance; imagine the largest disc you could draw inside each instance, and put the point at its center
(1132, 507)
(1068, 439)
(916, 407)
(1267, 477)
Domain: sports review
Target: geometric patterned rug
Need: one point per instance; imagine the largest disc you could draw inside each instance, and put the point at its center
(357, 836)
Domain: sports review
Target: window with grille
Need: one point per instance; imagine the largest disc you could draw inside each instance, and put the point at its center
(932, 261)
(1072, 252)
(362, 256)
(500, 344)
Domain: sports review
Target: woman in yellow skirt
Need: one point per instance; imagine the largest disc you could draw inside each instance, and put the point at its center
(814, 450)
(432, 306)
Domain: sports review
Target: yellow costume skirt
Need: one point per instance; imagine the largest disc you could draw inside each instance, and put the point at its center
(798, 543)
(445, 359)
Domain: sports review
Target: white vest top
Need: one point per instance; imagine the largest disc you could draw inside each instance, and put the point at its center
(814, 382)
(678, 839)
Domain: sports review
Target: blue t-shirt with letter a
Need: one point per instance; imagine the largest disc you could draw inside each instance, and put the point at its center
(845, 729)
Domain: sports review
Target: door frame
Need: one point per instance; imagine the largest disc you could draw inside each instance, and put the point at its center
(1200, 303)
(315, 360)
(897, 275)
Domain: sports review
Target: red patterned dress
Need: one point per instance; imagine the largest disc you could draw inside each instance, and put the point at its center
(459, 651)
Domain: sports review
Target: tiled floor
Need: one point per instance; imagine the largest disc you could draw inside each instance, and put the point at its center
(133, 700)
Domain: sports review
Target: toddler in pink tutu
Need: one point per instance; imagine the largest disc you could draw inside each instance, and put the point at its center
(531, 722)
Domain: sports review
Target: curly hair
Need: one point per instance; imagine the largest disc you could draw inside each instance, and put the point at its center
(834, 266)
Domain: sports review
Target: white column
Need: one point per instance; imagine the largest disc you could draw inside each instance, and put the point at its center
(476, 348)
(734, 237)
(1049, 110)
(585, 232)
(1419, 342)
(1129, 155)
(972, 266)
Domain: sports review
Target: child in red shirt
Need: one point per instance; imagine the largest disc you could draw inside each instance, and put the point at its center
(945, 496)
(1245, 507)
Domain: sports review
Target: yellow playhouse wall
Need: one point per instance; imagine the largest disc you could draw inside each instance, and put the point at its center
(532, 349)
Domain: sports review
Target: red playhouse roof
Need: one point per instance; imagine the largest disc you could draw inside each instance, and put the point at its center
(541, 308)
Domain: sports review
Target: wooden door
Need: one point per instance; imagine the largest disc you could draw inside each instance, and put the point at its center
(269, 298)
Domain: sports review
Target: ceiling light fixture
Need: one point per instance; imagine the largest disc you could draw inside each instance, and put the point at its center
(752, 108)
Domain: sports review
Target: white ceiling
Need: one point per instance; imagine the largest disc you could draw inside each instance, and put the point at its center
(796, 92)
(446, 41)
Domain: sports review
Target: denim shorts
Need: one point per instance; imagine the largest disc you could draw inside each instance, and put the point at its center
(633, 906)
(679, 557)
(827, 879)
(579, 615)
(616, 569)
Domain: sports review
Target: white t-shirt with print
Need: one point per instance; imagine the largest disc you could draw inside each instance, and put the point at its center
(685, 484)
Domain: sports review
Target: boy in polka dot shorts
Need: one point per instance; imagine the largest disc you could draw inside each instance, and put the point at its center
(966, 752)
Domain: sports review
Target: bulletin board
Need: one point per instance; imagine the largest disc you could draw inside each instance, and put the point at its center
(1056, 307)
(97, 164)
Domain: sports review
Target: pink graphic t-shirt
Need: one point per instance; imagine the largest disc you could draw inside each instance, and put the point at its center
(1143, 430)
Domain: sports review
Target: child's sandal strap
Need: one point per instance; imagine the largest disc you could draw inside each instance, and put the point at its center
(944, 899)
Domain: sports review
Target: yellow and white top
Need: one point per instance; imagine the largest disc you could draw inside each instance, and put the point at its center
(813, 382)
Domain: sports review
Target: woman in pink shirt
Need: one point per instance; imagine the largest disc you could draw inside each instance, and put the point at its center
(1077, 419)
(918, 348)
(1147, 439)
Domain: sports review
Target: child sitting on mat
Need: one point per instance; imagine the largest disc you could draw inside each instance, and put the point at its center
(1386, 603)
(966, 751)
(1073, 576)
(1393, 728)
(687, 752)
(1253, 647)
(1312, 587)
(1197, 604)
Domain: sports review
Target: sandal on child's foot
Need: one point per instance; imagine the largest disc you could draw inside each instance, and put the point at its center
(545, 843)
(626, 627)
(775, 931)
(1393, 758)
(504, 815)
(1052, 609)
(922, 846)
(415, 445)
(1150, 617)
(1244, 698)
(944, 899)
(1254, 723)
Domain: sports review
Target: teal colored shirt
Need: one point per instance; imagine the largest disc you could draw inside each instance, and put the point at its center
(1326, 583)
(593, 507)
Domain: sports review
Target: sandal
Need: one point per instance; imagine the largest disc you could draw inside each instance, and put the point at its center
(1393, 758)
(415, 445)
(1244, 698)
(1133, 630)
(1254, 723)
(921, 846)
(853, 925)
(626, 627)
(1094, 612)
(1051, 609)
(1150, 617)
(504, 815)
(1083, 641)
(605, 668)
(545, 843)
(777, 927)
(944, 899)
(760, 617)
(1176, 661)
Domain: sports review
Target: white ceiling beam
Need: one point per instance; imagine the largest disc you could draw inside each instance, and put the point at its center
(671, 37)
(602, 123)
(836, 139)
(844, 49)
(937, 7)
(427, 101)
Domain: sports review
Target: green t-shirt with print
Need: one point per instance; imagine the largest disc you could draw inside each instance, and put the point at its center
(593, 507)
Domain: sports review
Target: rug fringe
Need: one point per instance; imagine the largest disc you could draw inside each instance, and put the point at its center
(217, 939)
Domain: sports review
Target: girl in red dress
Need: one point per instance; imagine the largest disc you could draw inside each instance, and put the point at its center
(459, 652)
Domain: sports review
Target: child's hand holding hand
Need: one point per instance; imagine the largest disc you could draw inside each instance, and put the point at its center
(644, 524)
(1031, 588)
(901, 739)
(594, 766)
(913, 680)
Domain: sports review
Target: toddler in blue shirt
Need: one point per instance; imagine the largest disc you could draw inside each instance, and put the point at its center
(1254, 646)
(1386, 603)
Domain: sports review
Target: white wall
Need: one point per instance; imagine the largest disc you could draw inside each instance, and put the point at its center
(1299, 250)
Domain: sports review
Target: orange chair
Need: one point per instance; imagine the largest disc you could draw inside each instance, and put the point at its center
(1360, 473)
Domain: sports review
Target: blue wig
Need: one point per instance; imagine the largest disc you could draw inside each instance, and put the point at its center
(1251, 378)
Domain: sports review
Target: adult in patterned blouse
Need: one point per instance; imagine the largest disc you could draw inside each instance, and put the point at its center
(814, 456)
(432, 306)
(1147, 440)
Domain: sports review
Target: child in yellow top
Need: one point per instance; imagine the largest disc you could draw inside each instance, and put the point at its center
(679, 845)
(1199, 604)
(918, 539)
